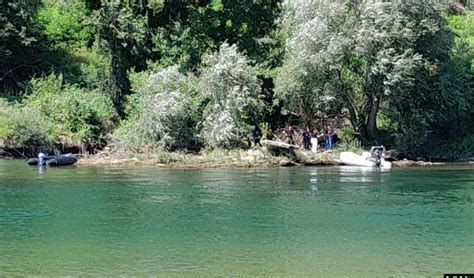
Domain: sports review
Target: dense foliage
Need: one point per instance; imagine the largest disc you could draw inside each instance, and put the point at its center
(377, 59)
(73, 116)
(22, 127)
(176, 111)
(147, 74)
(230, 89)
(162, 113)
(21, 43)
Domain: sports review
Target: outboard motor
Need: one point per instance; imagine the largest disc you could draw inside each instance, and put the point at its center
(42, 159)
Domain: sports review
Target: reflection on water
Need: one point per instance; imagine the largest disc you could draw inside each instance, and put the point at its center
(313, 179)
(353, 174)
(41, 170)
(248, 222)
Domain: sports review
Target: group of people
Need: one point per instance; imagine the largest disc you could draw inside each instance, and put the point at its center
(311, 138)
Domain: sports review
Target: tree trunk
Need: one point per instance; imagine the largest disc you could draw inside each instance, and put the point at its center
(120, 83)
(348, 103)
(352, 113)
(372, 118)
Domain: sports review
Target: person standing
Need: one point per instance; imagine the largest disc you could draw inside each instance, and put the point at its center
(270, 135)
(357, 135)
(314, 141)
(257, 135)
(306, 138)
(289, 135)
(329, 138)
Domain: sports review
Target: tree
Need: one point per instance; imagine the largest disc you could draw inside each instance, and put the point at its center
(20, 42)
(125, 28)
(163, 115)
(361, 54)
(123, 33)
(230, 91)
(302, 84)
(199, 27)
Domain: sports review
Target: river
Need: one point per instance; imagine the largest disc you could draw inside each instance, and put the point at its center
(139, 221)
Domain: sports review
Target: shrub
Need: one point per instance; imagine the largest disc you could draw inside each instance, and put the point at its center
(21, 127)
(63, 23)
(74, 115)
(230, 89)
(446, 149)
(94, 68)
(162, 112)
(347, 134)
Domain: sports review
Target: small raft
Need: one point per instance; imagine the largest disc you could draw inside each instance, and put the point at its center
(59, 160)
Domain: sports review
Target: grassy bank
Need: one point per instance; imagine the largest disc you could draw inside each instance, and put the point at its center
(257, 157)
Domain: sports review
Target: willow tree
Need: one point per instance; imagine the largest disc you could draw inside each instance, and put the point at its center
(163, 115)
(230, 91)
(358, 54)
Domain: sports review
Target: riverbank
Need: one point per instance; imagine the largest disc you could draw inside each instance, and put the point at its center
(253, 158)
(237, 158)
(257, 157)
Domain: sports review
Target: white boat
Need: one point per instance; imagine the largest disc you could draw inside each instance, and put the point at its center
(365, 160)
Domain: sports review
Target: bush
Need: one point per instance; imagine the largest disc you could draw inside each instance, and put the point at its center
(94, 68)
(447, 149)
(347, 134)
(231, 90)
(21, 127)
(463, 26)
(63, 23)
(162, 112)
(354, 146)
(74, 115)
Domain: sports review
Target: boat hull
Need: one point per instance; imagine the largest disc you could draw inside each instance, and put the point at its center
(353, 159)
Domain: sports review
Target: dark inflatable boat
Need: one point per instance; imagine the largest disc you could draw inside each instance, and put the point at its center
(59, 160)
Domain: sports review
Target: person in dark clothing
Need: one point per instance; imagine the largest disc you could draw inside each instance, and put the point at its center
(289, 135)
(270, 135)
(257, 135)
(306, 138)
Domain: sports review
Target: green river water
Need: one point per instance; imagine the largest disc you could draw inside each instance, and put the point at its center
(318, 222)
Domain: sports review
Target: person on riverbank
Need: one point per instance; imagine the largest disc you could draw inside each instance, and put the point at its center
(316, 138)
(306, 138)
(270, 135)
(376, 156)
(257, 135)
(289, 135)
(357, 135)
(329, 137)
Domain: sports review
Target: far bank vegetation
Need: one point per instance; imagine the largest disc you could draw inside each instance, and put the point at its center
(154, 77)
